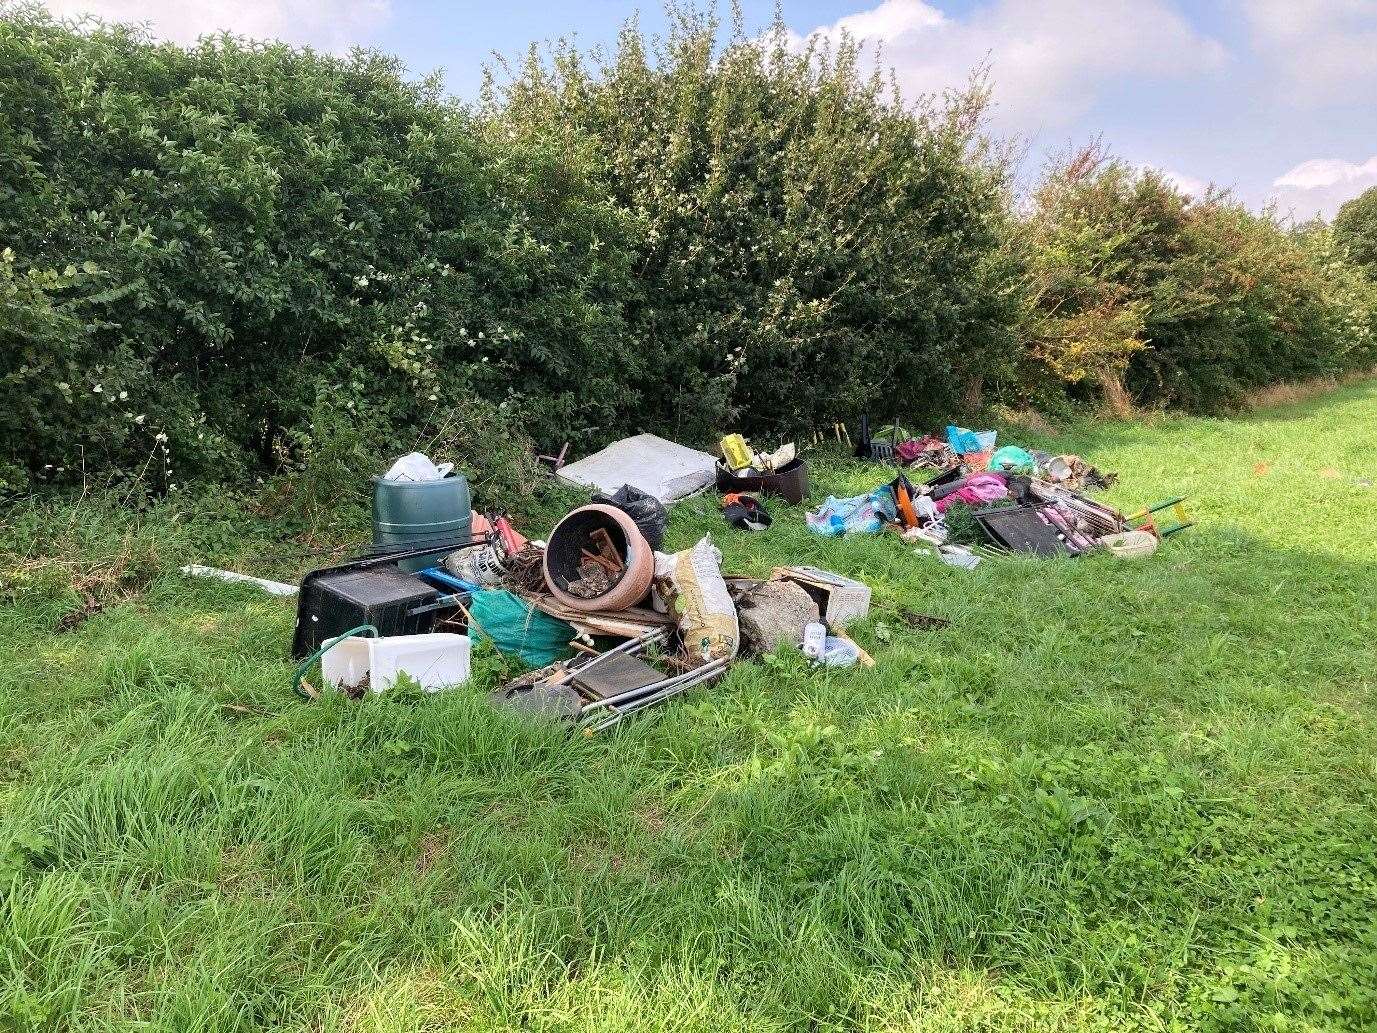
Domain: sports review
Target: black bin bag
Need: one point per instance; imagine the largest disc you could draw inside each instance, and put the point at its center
(646, 510)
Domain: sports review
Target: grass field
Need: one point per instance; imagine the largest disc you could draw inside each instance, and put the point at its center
(1110, 795)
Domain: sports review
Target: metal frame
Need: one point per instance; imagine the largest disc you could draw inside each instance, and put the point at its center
(599, 715)
(634, 700)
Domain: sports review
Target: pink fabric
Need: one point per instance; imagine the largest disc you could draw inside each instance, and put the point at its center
(979, 487)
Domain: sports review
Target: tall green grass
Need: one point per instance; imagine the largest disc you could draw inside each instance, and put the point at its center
(1108, 795)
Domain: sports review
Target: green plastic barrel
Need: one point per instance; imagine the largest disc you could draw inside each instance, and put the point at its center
(417, 514)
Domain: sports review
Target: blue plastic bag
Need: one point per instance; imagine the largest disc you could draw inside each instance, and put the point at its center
(860, 514)
(963, 441)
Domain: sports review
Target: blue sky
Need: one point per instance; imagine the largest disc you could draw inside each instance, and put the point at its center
(1276, 99)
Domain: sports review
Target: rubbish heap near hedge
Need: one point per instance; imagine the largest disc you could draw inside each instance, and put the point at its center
(612, 625)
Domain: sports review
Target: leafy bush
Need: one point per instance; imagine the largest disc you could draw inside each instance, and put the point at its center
(240, 259)
(1355, 227)
(209, 244)
(1178, 300)
(1084, 321)
(810, 246)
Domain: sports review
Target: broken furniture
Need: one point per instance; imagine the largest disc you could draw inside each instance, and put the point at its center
(599, 690)
(878, 449)
(1146, 519)
(1096, 518)
(627, 623)
(1021, 529)
(1038, 530)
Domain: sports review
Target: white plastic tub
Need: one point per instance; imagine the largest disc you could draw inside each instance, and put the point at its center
(434, 661)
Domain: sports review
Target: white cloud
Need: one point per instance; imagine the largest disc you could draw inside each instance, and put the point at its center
(1049, 59)
(1321, 185)
(1320, 50)
(330, 24)
(1188, 185)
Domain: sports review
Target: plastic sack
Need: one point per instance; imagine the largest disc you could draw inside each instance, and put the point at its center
(839, 652)
(963, 441)
(514, 627)
(416, 466)
(1131, 545)
(860, 514)
(691, 587)
(645, 510)
(1012, 459)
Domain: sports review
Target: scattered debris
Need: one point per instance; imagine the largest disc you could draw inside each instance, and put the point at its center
(689, 585)
(433, 661)
(373, 592)
(1131, 544)
(516, 626)
(1071, 471)
(647, 511)
(839, 652)
(526, 570)
(597, 559)
(411, 607)
(599, 689)
(628, 623)
(416, 466)
(846, 645)
(417, 506)
(745, 513)
(927, 453)
(859, 514)
(779, 474)
(840, 600)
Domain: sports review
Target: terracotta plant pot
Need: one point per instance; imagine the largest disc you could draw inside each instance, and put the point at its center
(564, 552)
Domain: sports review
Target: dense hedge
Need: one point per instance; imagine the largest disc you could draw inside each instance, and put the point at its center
(810, 247)
(1355, 228)
(1160, 298)
(220, 261)
(207, 249)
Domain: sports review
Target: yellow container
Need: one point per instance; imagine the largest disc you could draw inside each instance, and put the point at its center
(737, 453)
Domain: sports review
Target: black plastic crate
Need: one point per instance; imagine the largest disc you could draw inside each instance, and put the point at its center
(335, 599)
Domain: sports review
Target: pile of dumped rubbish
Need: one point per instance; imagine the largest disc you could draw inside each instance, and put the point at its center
(981, 500)
(608, 623)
